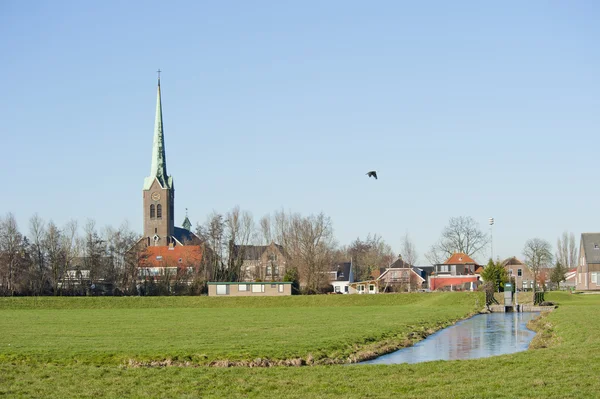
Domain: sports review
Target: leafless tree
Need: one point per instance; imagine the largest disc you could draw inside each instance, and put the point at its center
(370, 254)
(37, 275)
(462, 234)
(567, 253)
(123, 260)
(538, 254)
(240, 230)
(265, 230)
(409, 256)
(55, 255)
(12, 253)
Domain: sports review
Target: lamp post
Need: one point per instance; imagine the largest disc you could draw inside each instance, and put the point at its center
(492, 237)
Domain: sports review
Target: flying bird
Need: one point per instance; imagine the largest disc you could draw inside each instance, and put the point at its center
(372, 174)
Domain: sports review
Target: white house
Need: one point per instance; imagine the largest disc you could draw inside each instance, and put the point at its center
(341, 276)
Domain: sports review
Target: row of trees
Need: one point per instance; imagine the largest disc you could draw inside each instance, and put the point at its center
(36, 263)
(538, 257)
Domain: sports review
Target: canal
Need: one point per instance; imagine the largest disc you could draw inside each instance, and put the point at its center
(482, 335)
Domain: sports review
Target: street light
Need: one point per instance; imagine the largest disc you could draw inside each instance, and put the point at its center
(492, 237)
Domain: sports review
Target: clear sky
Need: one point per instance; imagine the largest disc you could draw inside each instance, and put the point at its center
(464, 109)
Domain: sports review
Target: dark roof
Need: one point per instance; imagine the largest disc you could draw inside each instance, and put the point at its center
(186, 237)
(512, 262)
(591, 247)
(254, 252)
(399, 263)
(342, 271)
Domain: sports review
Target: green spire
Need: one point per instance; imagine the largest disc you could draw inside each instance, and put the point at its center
(186, 222)
(158, 169)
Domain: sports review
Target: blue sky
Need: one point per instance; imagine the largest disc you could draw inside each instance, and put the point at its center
(464, 109)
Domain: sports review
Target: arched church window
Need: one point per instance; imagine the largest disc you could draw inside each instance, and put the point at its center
(159, 211)
(152, 215)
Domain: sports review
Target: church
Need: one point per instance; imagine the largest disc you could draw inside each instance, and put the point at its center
(165, 246)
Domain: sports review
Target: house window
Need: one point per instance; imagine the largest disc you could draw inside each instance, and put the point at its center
(152, 212)
(594, 277)
(444, 268)
(258, 288)
(519, 272)
(222, 289)
(361, 288)
(268, 270)
(276, 270)
(337, 288)
(159, 211)
(273, 257)
(280, 288)
(371, 288)
(346, 289)
(242, 287)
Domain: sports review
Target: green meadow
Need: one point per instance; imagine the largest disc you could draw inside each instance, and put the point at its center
(84, 347)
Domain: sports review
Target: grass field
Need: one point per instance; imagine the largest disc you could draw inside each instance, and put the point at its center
(568, 368)
(201, 330)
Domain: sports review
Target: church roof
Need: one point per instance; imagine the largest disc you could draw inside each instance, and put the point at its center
(185, 236)
(178, 255)
(158, 169)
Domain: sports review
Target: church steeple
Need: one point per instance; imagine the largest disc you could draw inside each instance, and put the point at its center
(158, 169)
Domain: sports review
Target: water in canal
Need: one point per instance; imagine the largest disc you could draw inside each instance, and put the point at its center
(482, 335)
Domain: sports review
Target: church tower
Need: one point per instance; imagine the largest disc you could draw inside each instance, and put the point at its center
(159, 192)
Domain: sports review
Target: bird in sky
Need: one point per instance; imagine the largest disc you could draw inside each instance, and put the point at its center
(372, 174)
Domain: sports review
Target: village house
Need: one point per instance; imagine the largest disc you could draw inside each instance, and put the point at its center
(341, 276)
(519, 272)
(588, 270)
(459, 272)
(399, 276)
(262, 262)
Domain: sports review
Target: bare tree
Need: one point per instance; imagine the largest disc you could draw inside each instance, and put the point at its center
(12, 252)
(240, 230)
(370, 254)
(55, 254)
(70, 246)
(462, 234)
(265, 230)
(37, 233)
(408, 251)
(567, 253)
(538, 254)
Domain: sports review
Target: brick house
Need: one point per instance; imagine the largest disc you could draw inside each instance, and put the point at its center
(519, 272)
(588, 270)
(262, 262)
(399, 276)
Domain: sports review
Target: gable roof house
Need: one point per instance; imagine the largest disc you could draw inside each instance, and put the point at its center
(519, 272)
(457, 273)
(399, 276)
(341, 276)
(588, 270)
(262, 262)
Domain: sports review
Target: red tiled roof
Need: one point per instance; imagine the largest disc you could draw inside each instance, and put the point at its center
(460, 259)
(478, 270)
(179, 255)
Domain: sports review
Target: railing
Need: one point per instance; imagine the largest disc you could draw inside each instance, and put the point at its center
(538, 298)
(490, 299)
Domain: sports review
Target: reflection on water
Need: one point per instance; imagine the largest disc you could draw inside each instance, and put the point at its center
(480, 336)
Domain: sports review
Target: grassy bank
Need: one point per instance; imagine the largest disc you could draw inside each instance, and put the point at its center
(202, 330)
(567, 368)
